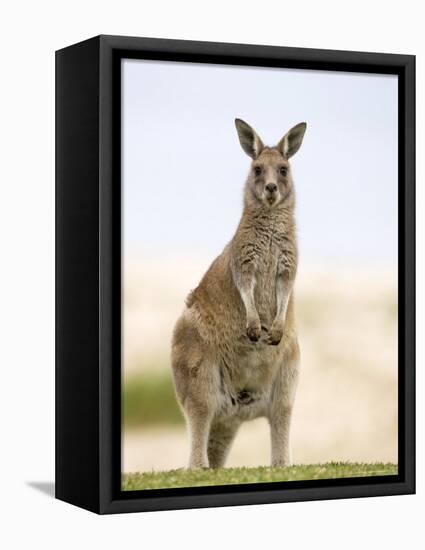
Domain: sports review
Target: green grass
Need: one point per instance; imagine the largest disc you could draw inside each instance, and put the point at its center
(149, 399)
(229, 476)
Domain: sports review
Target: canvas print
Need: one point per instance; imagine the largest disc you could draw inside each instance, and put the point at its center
(259, 274)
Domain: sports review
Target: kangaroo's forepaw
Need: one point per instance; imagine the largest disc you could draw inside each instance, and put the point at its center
(253, 331)
(274, 335)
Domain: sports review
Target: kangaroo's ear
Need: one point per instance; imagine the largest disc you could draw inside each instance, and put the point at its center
(291, 141)
(250, 141)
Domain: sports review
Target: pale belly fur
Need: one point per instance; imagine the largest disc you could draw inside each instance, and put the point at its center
(246, 386)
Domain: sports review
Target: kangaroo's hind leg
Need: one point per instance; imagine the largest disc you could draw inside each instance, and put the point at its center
(280, 407)
(220, 440)
(196, 382)
(198, 419)
(199, 408)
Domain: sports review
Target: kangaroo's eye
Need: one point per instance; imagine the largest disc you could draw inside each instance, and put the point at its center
(283, 170)
(257, 170)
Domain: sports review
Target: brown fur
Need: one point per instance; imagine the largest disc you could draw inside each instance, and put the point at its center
(235, 351)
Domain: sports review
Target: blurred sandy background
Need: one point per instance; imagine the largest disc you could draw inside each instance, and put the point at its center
(346, 406)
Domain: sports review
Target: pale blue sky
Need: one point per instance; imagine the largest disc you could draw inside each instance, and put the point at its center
(184, 170)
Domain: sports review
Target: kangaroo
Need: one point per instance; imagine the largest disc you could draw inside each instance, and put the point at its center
(235, 352)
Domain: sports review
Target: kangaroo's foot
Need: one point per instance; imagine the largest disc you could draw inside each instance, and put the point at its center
(196, 463)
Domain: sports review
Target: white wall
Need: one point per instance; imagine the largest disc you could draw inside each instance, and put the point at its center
(30, 32)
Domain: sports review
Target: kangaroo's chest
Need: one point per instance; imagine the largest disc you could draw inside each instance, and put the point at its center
(270, 260)
(272, 246)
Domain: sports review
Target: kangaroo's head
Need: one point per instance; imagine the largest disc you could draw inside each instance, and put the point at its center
(269, 181)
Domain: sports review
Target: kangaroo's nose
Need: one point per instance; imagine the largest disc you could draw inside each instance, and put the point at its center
(271, 187)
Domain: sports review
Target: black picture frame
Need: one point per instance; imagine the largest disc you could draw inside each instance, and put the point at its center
(88, 273)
